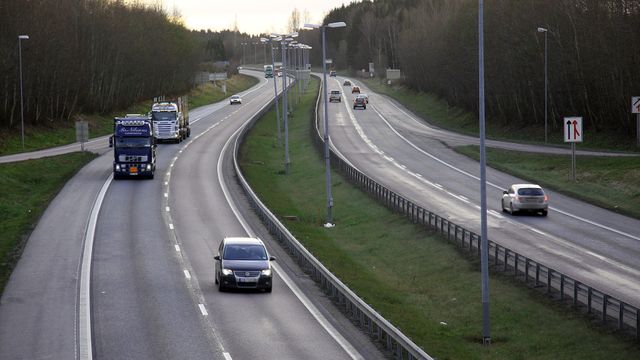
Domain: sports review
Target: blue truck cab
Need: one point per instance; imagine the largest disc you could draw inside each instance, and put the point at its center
(134, 146)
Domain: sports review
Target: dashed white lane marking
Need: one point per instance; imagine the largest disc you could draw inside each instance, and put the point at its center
(177, 248)
(171, 226)
(203, 310)
(166, 195)
(187, 274)
(166, 209)
(227, 356)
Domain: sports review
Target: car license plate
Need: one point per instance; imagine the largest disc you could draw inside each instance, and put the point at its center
(133, 169)
(245, 279)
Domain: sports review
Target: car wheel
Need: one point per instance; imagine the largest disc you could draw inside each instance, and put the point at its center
(502, 205)
(216, 279)
(511, 210)
(268, 290)
(544, 212)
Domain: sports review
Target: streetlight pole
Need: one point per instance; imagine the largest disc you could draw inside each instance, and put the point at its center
(546, 80)
(275, 83)
(255, 53)
(20, 38)
(285, 110)
(484, 252)
(327, 159)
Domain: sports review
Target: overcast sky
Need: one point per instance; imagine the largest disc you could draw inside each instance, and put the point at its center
(253, 16)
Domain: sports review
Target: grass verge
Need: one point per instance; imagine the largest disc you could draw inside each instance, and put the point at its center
(24, 195)
(611, 183)
(438, 112)
(62, 133)
(408, 274)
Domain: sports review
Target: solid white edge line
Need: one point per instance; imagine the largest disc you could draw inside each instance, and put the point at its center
(328, 327)
(177, 248)
(171, 226)
(85, 337)
(227, 356)
(187, 274)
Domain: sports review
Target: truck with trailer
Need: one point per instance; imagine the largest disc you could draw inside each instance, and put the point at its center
(134, 146)
(268, 71)
(171, 120)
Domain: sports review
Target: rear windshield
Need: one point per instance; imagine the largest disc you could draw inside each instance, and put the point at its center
(244, 252)
(530, 192)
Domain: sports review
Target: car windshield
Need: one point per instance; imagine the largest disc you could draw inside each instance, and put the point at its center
(530, 192)
(163, 116)
(335, 92)
(132, 142)
(244, 252)
(235, 97)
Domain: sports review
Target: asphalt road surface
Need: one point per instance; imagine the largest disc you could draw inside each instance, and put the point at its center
(388, 143)
(151, 290)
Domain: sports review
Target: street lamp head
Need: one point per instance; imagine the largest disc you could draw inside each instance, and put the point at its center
(263, 40)
(311, 26)
(23, 37)
(542, 30)
(337, 24)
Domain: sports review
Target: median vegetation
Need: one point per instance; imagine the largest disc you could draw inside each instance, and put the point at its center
(422, 284)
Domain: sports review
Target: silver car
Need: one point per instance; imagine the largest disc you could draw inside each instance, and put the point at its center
(525, 197)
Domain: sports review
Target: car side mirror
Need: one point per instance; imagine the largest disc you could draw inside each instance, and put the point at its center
(505, 192)
(217, 257)
(272, 258)
(111, 141)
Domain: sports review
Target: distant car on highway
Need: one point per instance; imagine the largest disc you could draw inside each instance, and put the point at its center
(355, 89)
(525, 197)
(243, 263)
(235, 99)
(332, 73)
(359, 102)
(364, 96)
(335, 96)
(346, 83)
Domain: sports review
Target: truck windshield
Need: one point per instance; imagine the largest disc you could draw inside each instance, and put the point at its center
(133, 142)
(163, 116)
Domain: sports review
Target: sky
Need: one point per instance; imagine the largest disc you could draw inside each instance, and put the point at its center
(253, 16)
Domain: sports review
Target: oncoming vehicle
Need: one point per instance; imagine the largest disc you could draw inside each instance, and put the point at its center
(235, 99)
(359, 102)
(335, 96)
(243, 263)
(346, 83)
(525, 197)
(355, 89)
(332, 73)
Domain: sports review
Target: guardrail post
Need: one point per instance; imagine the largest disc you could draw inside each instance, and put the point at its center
(621, 316)
(515, 265)
(589, 299)
(537, 274)
(637, 324)
(548, 280)
(526, 270)
(506, 258)
(605, 300)
(496, 258)
(561, 287)
(576, 285)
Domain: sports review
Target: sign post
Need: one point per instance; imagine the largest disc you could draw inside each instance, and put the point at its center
(573, 134)
(82, 133)
(635, 109)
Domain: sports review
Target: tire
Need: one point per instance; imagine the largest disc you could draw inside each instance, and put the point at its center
(513, 212)
(268, 290)
(216, 279)
(502, 206)
(545, 212)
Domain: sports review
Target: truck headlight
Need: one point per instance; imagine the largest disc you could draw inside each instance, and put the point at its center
(227, 272)
(148, 167)
(266, 272)
(117, 167)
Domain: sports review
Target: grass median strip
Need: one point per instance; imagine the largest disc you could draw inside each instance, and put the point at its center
(419, 282)
(26, 188)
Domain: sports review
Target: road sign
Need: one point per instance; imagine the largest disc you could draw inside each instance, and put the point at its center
(82, 133)
(572, 129)
(635, 105)
(217, 76)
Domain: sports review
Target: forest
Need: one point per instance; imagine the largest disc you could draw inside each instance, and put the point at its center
(89, 56)
(592, 55)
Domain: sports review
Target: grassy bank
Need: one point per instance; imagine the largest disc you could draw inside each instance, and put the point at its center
(438, 112)
(24, 195)
(411, 276)
(62, 133)
(612, 183)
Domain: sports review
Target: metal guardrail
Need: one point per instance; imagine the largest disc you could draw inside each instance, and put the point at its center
(377, 327)
(583, 297)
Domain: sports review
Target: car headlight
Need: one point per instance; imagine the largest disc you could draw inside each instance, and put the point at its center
(227, 272)
(266, 272)
(118, 167)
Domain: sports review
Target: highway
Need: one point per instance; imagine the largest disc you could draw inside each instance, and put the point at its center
(151, 292)
(593, 245)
